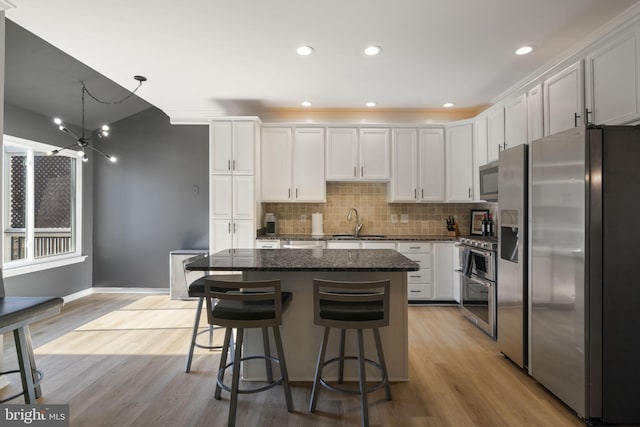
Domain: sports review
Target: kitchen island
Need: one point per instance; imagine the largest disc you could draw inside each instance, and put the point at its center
(296, 269)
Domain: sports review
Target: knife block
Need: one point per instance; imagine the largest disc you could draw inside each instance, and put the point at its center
(455, 232)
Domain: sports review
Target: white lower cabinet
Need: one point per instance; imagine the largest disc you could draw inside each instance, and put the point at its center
(267, 244)
(443, 271)
(419, 283)
(341, 244)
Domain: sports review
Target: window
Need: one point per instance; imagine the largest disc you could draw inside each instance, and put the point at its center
(41, 204)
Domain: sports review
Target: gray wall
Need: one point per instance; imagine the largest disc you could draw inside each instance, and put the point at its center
(144, 205)
(59, 281)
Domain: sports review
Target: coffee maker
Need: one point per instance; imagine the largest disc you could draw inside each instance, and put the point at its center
(270, 224)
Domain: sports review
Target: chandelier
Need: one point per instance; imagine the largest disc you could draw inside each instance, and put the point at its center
(83, 142)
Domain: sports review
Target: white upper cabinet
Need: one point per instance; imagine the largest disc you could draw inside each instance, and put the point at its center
(480, 138)
(535, 126)
(404, 165)
(308, 165)
(275, 166)
(495, 132)
(231, 146)
(358, 156)
(515, 122)
(431, 155)
(563, 99)
(612, 88)
(342, 154)
(374, 154)
(292, 165)
(459, 148)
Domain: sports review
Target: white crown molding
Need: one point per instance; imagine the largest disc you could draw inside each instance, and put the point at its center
(193, 117)
(618, 23)
(6, 4)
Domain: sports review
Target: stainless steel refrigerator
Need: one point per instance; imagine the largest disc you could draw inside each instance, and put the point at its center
(584, 338)
(511, 280)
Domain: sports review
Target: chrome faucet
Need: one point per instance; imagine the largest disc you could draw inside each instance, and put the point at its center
(359, 224)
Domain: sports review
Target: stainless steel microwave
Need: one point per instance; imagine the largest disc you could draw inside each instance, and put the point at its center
(489, 182)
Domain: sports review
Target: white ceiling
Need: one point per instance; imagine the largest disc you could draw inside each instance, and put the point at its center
(208, 57)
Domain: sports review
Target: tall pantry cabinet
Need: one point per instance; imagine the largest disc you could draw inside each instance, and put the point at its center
(233, 208)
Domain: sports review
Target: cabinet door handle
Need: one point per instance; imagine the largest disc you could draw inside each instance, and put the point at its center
(586, 114)
(575, 119)
(229, 231)
(355, 173)
(499, 147)
(289, 196)
(234, 165)
(361, 170)
(415, 193)
(422, 193)
(229, 165)
(469, 192)
(505, 145)
(296, 193)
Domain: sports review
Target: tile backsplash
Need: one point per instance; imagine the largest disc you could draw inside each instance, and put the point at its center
(370, 199)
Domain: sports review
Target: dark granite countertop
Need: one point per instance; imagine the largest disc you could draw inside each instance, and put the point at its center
(304, 260)
(409, 238)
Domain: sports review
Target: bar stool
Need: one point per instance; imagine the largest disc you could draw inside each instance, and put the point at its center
(16, 314)
(195, 289)
(241, 305)
(351, 305)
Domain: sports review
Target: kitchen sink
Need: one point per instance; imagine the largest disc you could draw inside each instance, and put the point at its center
(361, 237)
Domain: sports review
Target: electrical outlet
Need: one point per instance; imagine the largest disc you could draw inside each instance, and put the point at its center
(303, 217)
(196, 189)
(404, 218)
(394, 218)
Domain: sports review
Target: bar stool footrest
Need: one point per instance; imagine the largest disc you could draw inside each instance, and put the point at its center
(36, 382)
(275, 382)
(207, 347)
(384, 381)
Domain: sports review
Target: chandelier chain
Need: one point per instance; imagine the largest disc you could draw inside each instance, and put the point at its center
(120, 101)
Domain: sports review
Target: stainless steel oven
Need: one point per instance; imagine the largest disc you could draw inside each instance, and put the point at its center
(478, 282)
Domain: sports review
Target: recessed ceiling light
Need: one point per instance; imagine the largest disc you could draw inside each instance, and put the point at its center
(372, 50)
(305, 104)
(304, 50)
(448, 104)
(371, 104)
(524, 50)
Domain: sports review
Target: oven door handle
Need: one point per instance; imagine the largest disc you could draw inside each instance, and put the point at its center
(485, 283)
(479, 252)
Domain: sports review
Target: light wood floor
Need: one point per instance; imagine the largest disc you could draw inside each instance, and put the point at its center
(118, 360)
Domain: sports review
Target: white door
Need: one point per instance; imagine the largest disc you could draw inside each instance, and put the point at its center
(443, 279)
(342, 154)
(480, 139)
(535, 126)
(308, 165)
(515, 122)
(244, 234)
(404, 152)
(220, 146)
(374, 154)
(495, 133)
(220, 196)
(244, 140)
(432, 165)
(459, 147)
(243, 200)
(220, 237)
(276, 167)
(612, 89)
(563, 101)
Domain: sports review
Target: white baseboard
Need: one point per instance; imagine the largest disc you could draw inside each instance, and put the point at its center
(114, 290)
(77, 295)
